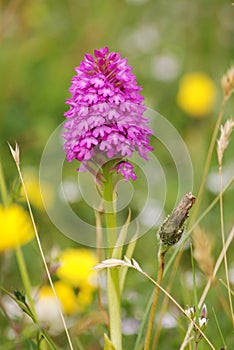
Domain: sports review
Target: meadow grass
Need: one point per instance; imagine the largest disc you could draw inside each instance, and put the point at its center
(201, 312)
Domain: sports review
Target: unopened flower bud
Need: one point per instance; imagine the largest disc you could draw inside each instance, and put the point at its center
(204, 313)
(173, 226)
(191, 312)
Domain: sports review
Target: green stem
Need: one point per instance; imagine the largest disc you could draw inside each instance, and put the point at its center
(194, 279)
(3, 188)
(23, 269)
(207, 164)
(27, 286)
(155, 300)
(113, 281)
(223, 241)
(25, 278)
(113, 292)
(110, 214)
(18, 251)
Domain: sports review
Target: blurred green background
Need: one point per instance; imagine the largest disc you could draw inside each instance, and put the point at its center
(41, 43)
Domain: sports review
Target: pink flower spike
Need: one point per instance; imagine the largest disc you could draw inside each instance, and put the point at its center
(106, 114)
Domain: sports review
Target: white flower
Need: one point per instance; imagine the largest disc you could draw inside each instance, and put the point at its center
(202, 322)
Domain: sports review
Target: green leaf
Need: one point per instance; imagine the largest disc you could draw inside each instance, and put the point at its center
(117, 252)
(129, 254)
(108, 344)
(19, 298)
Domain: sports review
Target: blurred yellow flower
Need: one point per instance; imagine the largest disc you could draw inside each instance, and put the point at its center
(75, 268)
(66, 296)
(84, 297)
(197, 94)
(74, 287)
(34, 191)
(16, 227)
(71, 301)
(47, 310)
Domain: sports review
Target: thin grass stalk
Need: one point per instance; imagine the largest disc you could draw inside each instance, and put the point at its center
(217, 266)
(79, 345)
(15, 154)
(207, 164)
(164, 305)
(179, 249)
(115, 263)
(19, 255)
(143, 323)
(129, 253)
(175, 259)
(219, 328)
(169, 233)
(223, 242)
(178, 306)
(155, 301)
(3, 188)
(209, 283)
(194, 279)
(225, 285)
(25, 278)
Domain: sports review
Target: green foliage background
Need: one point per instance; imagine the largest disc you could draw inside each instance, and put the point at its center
(41, 43)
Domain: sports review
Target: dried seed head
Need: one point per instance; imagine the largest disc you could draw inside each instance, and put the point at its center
(203, 245)
(15, 153)
(225, 132)
(227, 82)
(173, 226)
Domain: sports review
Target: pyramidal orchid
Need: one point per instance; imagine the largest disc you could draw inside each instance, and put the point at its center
(104, 125)
(105, 117)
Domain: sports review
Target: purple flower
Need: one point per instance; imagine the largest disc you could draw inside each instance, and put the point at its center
(126, 169)
(106, 112)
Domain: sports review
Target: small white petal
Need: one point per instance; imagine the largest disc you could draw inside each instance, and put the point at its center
(202, 321)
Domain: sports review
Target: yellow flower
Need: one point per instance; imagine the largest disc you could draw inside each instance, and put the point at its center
(16, 227)
(65, 294)
(47, 308)
(197, 94)
(34, 191)
(67, 297)
(75, 268)
(70, 301)
(84, 297)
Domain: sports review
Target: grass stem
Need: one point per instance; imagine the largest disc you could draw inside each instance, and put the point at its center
(15, 154)
(207, 164)
(155, 300)
(209, 283)
(3, 188)
(25, 279)
(223, 242)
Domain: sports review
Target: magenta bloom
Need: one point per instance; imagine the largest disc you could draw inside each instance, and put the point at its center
(106, 112)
